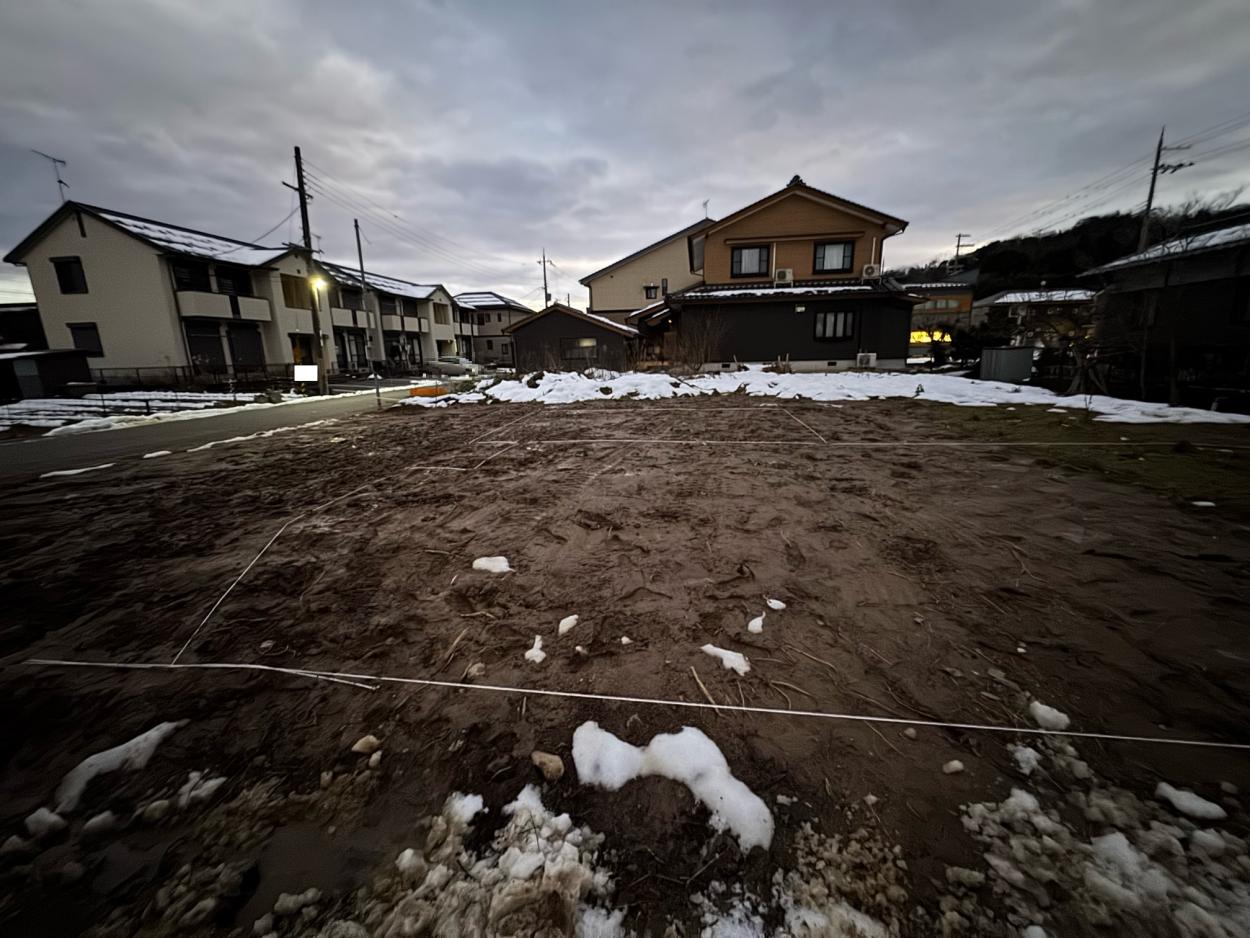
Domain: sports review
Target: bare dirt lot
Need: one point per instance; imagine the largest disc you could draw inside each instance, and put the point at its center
(927, 576)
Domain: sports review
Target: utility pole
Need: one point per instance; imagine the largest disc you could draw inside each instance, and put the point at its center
(375, 321)
(1143, 238)
(959, 244)
(546, 294)
(61, 184)
(323, 379)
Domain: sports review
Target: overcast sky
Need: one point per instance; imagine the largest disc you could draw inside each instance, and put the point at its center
(490, 130)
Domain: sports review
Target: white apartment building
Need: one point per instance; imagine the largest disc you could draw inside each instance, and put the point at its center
(490, 313)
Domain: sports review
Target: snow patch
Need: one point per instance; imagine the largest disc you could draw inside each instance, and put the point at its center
(1048, 718)
(687, 756)
(492, 564)
(536, 654)
(775, 604)
(1027, 758)
(198, 789)
(756, 625)
(132, 755)
(1186, 802)
(75, 472)
(731, 660)
(159, 452)
(566, 623)
(42, 822)
(626, 640)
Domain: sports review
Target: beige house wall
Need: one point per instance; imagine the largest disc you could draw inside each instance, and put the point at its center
(129, 296)
(623, 290)
(792, 227)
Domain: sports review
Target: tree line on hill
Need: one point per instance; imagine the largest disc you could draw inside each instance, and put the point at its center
(1054, 259)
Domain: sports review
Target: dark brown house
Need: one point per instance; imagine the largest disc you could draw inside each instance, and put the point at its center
(561, 338)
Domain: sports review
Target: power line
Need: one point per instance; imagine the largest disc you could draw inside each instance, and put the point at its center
(256, 240)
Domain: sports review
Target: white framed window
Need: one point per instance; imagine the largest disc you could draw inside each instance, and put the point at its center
(749, 261)
(834, 257)
(837, 325)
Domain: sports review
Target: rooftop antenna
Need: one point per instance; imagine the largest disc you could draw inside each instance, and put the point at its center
(61, 184)
(705, 202)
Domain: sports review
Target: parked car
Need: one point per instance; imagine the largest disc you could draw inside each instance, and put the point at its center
(453, 365)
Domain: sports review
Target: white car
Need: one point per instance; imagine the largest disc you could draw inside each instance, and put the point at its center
(453, 365)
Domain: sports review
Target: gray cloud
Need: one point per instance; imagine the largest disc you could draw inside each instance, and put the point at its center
(472, 136)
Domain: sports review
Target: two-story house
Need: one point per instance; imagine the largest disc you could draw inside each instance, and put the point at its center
(796, 277)
(152, 302)
(491, 313)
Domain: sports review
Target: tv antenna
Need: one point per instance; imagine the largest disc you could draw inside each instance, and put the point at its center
(61, 184)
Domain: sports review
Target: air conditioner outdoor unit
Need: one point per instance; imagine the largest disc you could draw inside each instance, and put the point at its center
(783, 275)
(872, 271)
(865, 359)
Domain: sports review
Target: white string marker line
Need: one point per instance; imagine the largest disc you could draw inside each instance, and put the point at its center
(202, 666)
(511, 423)
(904, 444)
(650, 701)
(804, 425)
(615, 442)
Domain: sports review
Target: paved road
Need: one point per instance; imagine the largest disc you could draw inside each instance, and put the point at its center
(24, 458)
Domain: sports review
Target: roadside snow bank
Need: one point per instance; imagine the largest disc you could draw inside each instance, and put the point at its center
(688, 757)
(574, 387)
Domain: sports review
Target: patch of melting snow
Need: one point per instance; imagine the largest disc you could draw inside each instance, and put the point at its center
(492, 564)
(76, 472)
(1027, 758)
(566, 623)
(159, 452)
(1048, 718)
(132, 755)
(536, 654)
(687, 756)
(756, 625)
(197, 788)
(1143, 870)
(626, 640)
(731, 660)
(775, 604)
(1187, 803)
(1203, 504)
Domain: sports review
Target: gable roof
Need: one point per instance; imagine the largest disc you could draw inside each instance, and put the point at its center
(169, 239)
(1198, 243)
(487, 299)
(350, 277)
(698, 226)
(797, 186)
(602, 321)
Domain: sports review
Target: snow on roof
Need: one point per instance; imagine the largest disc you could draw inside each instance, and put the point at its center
(783, 291)
(1036, 296)
(1179, 247)
(351, 277)
(611, 323)
(486, 298)
(649, 308)
(938, 285)
(195, 243)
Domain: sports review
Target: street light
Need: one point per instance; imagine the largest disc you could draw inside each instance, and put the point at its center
(318, 283)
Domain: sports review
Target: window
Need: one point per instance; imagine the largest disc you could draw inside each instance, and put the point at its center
(234, 281)
(295, 293)
(481, 319)
(577, 351)
(498, 317)
(749, 262)
(490, 345)
(442, 314)
(834, 257)
(190, 275)
(69, 274)
(503, 348)
(86, 337)
(388, 305)
(651, 290)
(834, 325)
(351, 298)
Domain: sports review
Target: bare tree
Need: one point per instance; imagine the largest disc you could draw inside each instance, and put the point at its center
(699, 339)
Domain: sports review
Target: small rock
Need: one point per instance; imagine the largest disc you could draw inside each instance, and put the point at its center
(786, 800)
(910, 732)
(16, 846)
(326, 778)
(266, 644)
(964, 876)
(953, 767)
(41, 823)
(199, 912)
(581, 650)
(552, 766)
(475, 670)
(155, 810)
(263, 925)
(626, 640)
(289, 903)
(101, 823)
(870, 800)
(1229, 788)
(375, 760)
(367, 745)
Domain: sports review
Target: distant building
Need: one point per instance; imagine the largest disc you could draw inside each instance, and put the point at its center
(1173, 321)
(150, 302)
(561, 338)
(946, 307)
(1038, 317)
(491, 313)
(21, 328)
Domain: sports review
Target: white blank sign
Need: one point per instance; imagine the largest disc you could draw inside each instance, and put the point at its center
(305, 372)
